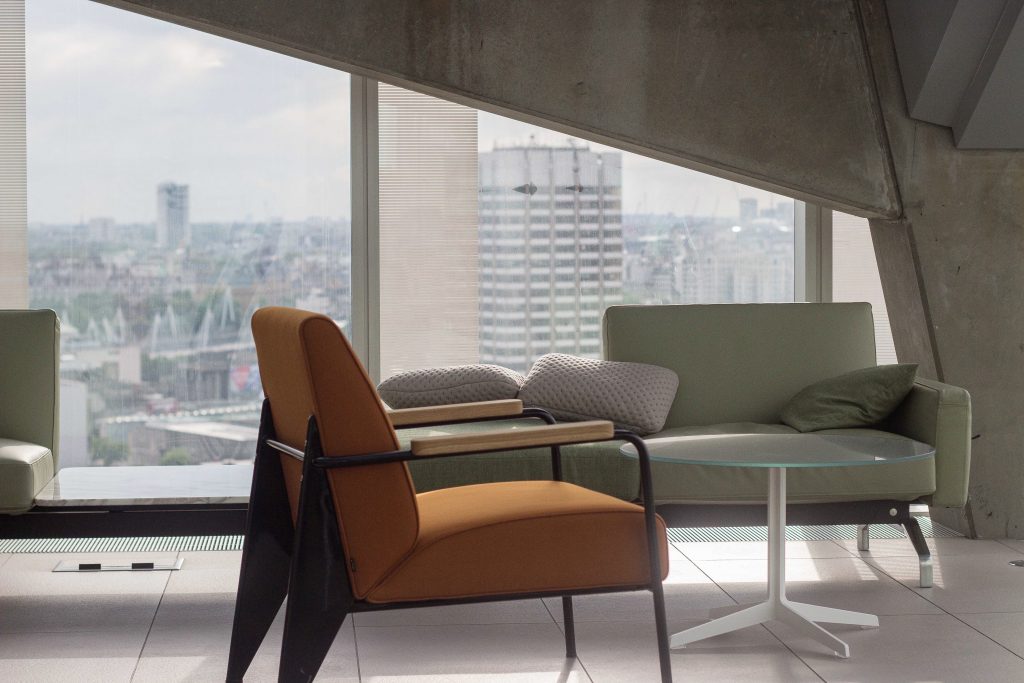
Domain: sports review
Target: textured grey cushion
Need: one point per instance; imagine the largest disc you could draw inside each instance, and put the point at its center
(634, 396)
(454, 384)
(856, 399)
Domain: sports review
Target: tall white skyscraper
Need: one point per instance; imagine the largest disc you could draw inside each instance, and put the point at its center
(550, 250)
(172, 226)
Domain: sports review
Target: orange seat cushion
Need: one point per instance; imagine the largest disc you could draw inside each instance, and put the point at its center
(521, 537)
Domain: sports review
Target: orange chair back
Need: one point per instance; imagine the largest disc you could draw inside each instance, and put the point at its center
(308, 368)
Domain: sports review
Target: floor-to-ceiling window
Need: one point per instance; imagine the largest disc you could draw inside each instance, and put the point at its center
(176, 182)
(855, 276)
(520, 255)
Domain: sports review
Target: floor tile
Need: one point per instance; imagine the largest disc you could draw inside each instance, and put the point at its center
(206, 572)
(689, 593)
(1006, 628)
(848, 583)
(964, 583)
(197, 624)
(910, 648)
(176, 657)
(62, 613)
(945, 547)
(758, 550)
(464, 653)
(103, 656)
(33, 575)
(512, 612)
(691, 602)
(617, 652)
(1015, 545)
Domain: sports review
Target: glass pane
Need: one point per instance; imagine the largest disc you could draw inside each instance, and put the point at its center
(562, 229)
(569, 227)
(855, 276)
(177, 182)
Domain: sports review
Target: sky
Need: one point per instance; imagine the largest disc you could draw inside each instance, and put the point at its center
(118, 103)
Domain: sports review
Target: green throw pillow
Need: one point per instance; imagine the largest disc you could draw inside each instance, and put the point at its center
(855, 399)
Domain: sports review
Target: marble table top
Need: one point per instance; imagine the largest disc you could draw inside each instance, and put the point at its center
(147, 485)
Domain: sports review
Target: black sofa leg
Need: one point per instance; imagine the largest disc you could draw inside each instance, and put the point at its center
(923, 553)
(266, 555)
(319, 597)
(570, 627)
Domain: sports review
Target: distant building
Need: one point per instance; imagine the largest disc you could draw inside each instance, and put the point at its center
(550, 250)
(172, 220)
(74, 424)
(748, 210)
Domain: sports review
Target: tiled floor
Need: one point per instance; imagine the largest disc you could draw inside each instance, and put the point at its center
(175, 626)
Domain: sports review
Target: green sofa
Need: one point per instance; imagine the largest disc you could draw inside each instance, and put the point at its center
(29, 400)
(738, 364)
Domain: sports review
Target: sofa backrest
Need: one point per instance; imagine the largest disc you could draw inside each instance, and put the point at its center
(741, 362)
(30, 378)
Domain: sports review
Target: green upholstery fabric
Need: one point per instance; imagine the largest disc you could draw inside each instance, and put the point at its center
(24, 469)
(29, 398)
(738, 365)
(741, 362)
(860, 398)
(676, 483)
(940, 414)
(599, 467)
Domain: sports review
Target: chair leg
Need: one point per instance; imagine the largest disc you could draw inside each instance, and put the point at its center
(266, 554)
(319, 595)
(570, 627)
(863, 538)
(661, 623)
(924, 555)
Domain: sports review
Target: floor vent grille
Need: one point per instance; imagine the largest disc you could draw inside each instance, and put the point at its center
(838, 532)
(161, 544)
(164, 544)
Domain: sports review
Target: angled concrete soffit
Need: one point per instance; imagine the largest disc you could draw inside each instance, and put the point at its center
(778, 95)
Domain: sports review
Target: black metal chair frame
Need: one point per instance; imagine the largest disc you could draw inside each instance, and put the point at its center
(310, 556)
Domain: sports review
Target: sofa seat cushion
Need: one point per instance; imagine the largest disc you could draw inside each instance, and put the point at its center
(596, 466)
(678, 483)
(521, 537)
(24, 469)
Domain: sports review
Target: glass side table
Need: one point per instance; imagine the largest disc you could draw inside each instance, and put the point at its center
(777, 453)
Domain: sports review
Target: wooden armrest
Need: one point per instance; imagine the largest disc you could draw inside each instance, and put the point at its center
(455, 411)
(508, 439)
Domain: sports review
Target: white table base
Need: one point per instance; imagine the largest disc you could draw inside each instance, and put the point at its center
(797, 615)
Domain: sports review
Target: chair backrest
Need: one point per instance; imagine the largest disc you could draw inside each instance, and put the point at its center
(30, 378)
(741, 362)
(308, 368)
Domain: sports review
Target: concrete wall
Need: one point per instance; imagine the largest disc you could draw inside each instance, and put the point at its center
(953, 272)
(777, 94)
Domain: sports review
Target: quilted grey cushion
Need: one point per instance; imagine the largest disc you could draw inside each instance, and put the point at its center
(634, 396)
(454, 384)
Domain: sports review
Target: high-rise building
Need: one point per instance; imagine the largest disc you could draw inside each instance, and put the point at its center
(172, 226)
(550, 250)
(748, 210)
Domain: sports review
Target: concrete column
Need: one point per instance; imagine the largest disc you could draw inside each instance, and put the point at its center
(953, 275)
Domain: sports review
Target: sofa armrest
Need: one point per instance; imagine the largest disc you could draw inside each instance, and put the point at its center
(940, 414)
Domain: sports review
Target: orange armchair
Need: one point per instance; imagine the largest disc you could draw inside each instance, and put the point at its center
(335, 524)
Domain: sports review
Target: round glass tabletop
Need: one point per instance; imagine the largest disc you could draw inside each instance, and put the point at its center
(783, 450)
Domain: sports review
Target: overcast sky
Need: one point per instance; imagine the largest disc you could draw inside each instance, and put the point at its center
(118, 103)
